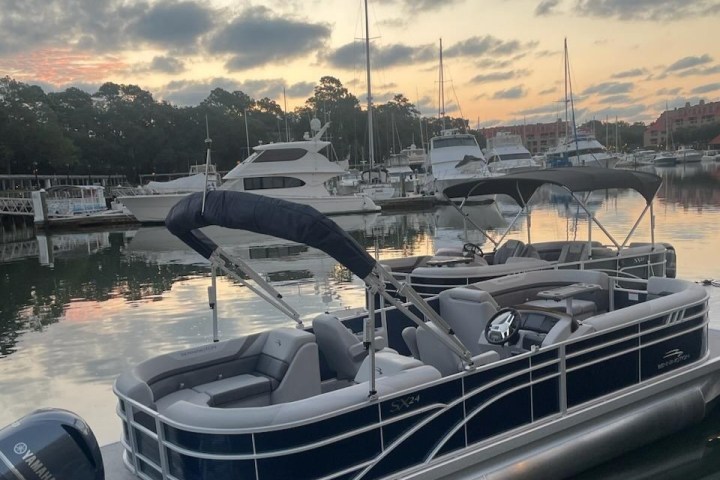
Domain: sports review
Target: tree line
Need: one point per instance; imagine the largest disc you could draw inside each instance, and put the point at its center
(122, 129)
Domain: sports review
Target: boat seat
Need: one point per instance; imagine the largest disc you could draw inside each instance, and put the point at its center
(436, 354)
(409, 335)
(230, 390)
(343, 350)
(574, 252)
(386, 363)
(467, 312)
(511, 248)
(530, 252)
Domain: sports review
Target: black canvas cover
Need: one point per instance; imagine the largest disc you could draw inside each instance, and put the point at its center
(522, 185)
(265, 215)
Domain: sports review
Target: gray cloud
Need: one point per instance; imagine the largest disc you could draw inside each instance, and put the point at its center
(352, 55)
(546, 7)
(648, 10)
(256, 37)
(29, 25)
(300, 89)
(700, 71)
(416, 6)
(609, 88)
(498, 76)
(635, 72)
(172, 25)
(487, 45)
(669, 91)
(167, 65)
(510, 94)
(185, 92)
(547, 91)
(688, 62)
(710, 87)
(615, 99)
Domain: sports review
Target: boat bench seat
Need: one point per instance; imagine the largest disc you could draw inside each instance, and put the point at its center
(232, 389)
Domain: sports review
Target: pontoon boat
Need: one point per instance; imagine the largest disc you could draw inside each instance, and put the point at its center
(533, 375)
(463, 265)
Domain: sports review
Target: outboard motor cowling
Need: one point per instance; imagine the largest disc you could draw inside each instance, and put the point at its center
(50, 444)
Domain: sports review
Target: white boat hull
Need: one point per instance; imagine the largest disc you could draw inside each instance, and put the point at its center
(154, 208)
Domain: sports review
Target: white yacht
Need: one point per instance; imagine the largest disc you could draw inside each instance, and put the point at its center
(688, 155)
(406, 169)
(580, 150)
(295, 171)
(506, 153)
(711, 155)
(454, 158)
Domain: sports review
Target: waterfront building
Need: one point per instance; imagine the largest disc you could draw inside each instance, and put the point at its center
(537, 137)
(659, 132)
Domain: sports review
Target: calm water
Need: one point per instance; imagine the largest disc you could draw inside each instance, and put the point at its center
(78, 309)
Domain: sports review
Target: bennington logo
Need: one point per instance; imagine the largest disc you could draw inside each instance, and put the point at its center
(34, 463)
(673, 357)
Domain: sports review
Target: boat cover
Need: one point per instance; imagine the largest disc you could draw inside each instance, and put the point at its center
(521, 186)
(265, 215)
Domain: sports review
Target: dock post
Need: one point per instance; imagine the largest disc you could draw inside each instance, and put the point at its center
(40, 211)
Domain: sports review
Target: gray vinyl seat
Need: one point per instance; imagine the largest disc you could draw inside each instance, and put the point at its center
(467, 311)
(342, 349)
(435, 353)
(574, 252)
(511, 248)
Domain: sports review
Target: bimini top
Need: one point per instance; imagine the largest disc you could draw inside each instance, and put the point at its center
(269, 216)
(521, 186)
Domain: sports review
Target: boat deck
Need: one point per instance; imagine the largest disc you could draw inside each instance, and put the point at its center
(116, 470)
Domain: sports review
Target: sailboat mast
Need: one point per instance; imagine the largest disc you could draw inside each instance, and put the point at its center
(566, 88)
(441, 92)
(371, 145)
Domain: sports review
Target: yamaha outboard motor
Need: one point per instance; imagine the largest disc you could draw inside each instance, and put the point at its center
(50, 444)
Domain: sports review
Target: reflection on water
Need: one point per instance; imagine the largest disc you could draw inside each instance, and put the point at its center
(77, 309)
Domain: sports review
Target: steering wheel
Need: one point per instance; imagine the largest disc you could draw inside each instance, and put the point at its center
(503, 327)
(472, 249)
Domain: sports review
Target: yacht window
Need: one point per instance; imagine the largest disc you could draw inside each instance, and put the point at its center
(454, 142)
(281, 155)
(264, 183)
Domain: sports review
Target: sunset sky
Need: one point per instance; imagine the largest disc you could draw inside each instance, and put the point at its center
(503, 59)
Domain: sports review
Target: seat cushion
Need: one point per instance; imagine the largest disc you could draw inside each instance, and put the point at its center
(234, 388)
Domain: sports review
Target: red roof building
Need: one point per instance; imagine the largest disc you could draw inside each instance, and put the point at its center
(657, 133)
(715, 142)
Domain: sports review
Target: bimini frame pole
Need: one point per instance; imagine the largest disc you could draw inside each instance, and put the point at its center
(466, 216)
(229, 264)
(376, 283)
(208, 143)
(212, 300)
(592, 217)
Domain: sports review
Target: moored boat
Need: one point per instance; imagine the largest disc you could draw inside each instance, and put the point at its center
(534, 374)
(469, 263)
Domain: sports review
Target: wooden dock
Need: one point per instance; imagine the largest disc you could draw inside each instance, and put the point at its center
(416, 202)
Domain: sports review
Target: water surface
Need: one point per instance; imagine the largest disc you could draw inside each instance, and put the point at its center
(77, 309)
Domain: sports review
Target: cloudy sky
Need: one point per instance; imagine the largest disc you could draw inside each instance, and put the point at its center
(503, 58)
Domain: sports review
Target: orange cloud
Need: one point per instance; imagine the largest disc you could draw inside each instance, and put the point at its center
(61, 66)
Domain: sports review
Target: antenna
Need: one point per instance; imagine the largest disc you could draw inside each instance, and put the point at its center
(208, 144)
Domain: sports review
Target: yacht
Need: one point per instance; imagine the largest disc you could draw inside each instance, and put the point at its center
(454, 158)
(711, 155)
(665, 159)
(580, 150)
(296, 171)
(406, 169)
(506, 153)
(688, 155)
